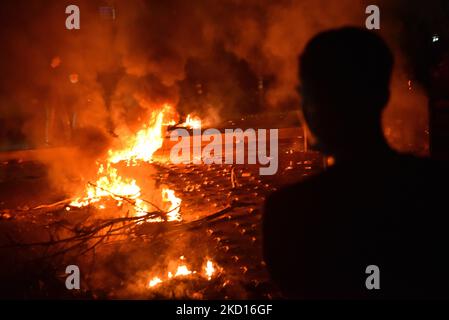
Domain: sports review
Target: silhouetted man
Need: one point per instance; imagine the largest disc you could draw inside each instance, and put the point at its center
(373, 207)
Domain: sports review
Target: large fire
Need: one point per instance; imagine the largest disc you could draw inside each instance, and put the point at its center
(109, 184)
(135, 149)
(144, 143)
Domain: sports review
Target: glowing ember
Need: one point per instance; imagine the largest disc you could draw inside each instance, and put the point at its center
(55, 62)
(74, 78)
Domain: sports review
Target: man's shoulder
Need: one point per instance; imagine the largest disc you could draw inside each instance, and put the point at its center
(298, 197)
(431, 171)
(307, 189)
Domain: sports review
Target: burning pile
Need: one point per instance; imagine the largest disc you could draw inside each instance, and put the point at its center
(136, 149)
(110, 185)
(182, 270)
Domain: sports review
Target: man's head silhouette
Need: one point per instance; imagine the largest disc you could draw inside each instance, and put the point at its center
(345, 77)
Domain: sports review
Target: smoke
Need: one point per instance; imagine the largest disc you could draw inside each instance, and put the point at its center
(230, 56)
(217, 58)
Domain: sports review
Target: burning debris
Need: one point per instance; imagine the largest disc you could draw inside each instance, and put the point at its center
(197, 211)
(112, 192)
(137, 149)
(98, 107)
(209, 270)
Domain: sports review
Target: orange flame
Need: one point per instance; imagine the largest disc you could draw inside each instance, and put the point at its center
(192, 122)
(183, 271)
(154, 281)
(139, 147)
(145, 143)
(209, 269)
(109, 184)
(175, 205)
